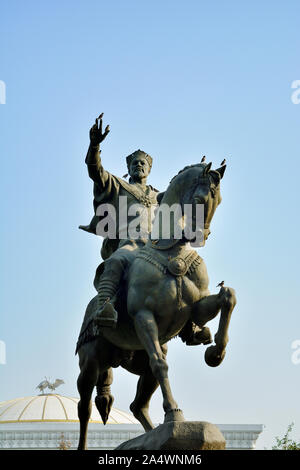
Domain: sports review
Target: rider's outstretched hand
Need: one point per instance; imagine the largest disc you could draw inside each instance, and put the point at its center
(96, 135)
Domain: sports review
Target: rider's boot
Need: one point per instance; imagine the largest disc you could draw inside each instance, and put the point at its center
(106, 315)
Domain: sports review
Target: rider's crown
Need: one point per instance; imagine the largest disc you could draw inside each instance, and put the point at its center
(138, 153)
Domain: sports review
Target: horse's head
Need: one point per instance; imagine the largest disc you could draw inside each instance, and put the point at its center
(197, 186)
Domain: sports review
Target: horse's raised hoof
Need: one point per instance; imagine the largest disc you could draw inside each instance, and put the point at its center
(200, 336)
(174, 415)
(213, 357)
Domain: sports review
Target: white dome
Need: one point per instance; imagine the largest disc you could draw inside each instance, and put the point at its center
(54, 408)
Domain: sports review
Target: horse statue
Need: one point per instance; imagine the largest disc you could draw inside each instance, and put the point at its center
(165, 287)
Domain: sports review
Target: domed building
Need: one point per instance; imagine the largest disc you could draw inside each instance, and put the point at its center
(46, 421)
(49, 421)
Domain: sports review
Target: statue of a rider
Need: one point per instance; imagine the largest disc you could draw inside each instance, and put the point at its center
(118, 251)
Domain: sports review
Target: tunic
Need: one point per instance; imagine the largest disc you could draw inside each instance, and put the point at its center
(107, 190)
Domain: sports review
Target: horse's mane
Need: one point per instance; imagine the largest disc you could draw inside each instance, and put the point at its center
(187, 168)
(215, 174)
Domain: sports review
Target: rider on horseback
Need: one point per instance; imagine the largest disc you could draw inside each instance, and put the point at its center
(118, 253)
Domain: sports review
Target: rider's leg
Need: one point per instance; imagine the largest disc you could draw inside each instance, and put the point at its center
(108, 285)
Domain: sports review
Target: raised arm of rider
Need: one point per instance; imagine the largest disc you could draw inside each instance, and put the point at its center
(94, 164)
(93, 160)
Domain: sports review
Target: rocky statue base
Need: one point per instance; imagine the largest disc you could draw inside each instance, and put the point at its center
(176, 435)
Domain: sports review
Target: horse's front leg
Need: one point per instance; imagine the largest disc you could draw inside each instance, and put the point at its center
(205, 310)
(147, 331)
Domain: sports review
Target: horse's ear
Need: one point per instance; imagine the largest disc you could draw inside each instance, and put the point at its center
(221, 170)
(207, 168)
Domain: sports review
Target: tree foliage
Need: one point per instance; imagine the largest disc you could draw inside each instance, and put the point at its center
(286, 443)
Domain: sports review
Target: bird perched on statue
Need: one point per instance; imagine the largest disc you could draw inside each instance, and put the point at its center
(203, 159)
(221, 284)
(223, 162)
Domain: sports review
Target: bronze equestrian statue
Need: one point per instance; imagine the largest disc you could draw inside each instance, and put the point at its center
(163, 290)
(117, 252)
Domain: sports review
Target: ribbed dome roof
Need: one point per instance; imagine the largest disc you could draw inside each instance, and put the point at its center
(54, 407)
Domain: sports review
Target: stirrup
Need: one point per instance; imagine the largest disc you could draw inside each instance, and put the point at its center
(107, 316)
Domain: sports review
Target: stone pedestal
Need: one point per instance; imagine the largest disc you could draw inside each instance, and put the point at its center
(177, 435)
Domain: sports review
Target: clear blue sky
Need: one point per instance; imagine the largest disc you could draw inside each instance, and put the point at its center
(179, 80)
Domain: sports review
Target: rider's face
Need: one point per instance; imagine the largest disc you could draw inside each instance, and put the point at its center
(139, 169)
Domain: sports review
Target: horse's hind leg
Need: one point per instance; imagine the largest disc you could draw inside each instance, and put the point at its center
(86, 382)
(146, 386)
(104, 398)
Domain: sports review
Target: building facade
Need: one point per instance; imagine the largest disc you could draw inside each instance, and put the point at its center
(49, 421)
